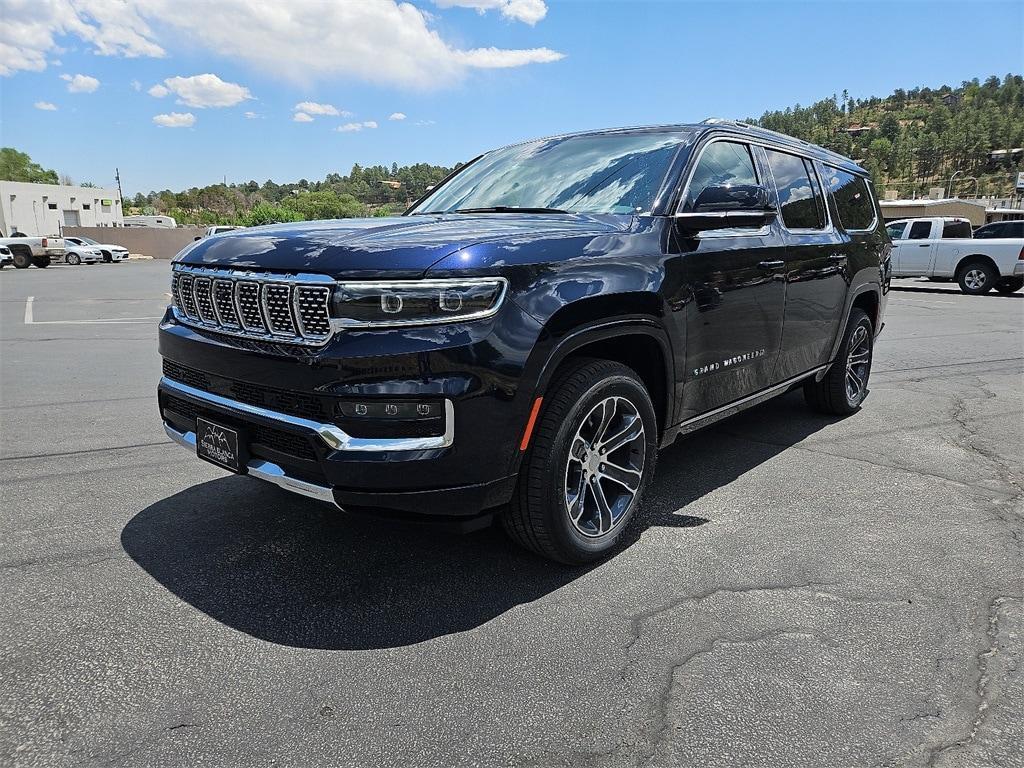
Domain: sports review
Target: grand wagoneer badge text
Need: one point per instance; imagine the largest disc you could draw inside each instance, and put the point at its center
(746, 357)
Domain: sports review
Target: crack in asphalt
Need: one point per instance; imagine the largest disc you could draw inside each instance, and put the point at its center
(982, 689)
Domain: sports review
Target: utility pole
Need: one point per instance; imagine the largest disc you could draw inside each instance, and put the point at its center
(117, 175)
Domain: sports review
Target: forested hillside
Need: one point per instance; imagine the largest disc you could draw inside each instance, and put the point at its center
(912, 140)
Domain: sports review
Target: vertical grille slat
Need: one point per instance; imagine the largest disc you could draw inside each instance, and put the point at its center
(202, 288)
(277, 308)
(224, 303)
(283, 308)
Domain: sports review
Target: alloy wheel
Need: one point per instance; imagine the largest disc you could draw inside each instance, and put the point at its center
(858, 365)
(975, 279)
(605, 466)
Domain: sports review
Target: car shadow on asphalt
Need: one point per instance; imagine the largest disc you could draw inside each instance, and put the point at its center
(291, 571)
(925, 288)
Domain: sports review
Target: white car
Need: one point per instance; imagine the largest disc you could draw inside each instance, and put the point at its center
(111, 253)
(941, 248)
(81, 254)
(6, 257)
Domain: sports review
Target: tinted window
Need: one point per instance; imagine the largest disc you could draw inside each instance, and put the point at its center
(721, 163)
(799, 197)
(920, 230)
(853, 198)
(954, 229)
(896, 230)
(990, 230)
(598, 173)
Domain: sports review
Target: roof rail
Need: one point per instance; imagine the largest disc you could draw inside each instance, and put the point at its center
(766, 132)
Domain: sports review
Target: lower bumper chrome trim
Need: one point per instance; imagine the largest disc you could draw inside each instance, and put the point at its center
(262, 470)
(335, 437)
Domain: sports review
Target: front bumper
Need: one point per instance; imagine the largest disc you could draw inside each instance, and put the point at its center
(475, 371)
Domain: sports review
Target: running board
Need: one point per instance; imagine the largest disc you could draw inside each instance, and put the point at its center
(731, 409)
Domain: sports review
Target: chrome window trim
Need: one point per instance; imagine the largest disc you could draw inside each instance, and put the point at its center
(332, 435)
(755, 142)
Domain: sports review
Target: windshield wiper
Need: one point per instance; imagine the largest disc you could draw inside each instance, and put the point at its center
(508, 209)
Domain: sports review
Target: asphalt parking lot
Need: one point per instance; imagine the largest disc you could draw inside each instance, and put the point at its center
(803, 591)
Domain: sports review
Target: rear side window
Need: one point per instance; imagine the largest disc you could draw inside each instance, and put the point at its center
(956, 229)
(721, 163)
(799, 196)
(853, 198)
(920, 230)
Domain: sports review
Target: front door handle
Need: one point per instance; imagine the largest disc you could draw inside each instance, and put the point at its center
(837, 257)
(924, 245)
(772, 264)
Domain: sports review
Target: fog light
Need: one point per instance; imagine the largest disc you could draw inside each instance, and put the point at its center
(381, 409)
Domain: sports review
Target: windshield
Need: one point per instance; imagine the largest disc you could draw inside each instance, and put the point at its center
(616, 173)
(84, 241)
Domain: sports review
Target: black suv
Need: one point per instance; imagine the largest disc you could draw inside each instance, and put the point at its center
(530, 333)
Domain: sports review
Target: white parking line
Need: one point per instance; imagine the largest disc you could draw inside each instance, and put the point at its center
(30, 320)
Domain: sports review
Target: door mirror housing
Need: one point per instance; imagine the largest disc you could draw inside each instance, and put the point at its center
(727, 206)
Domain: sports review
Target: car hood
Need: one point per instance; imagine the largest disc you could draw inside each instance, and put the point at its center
(399, 246)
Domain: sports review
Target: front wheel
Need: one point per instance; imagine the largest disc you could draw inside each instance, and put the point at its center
(976, 278)
(1010, 284)
(74, 258)
(843, 388)
(592, 455)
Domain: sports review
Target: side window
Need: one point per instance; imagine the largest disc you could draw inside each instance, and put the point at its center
(955, 229)
(721, 163)
(896, 230)
(920, 230)
(799, 197)
(1014, 230)
(853, 198)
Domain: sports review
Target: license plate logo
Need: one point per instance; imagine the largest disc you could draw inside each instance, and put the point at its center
(218, 444)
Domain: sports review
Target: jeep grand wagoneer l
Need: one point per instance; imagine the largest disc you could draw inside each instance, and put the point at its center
(528, 335)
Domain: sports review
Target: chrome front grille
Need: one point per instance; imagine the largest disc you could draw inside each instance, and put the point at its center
(289, 308)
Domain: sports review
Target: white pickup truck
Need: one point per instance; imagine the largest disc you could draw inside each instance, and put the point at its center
(942, 248)
(33, 250)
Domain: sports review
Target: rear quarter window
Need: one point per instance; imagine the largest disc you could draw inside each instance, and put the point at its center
(852, 196)
(956, 229)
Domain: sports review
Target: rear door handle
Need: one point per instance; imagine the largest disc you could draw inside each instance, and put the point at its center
(837, 257)
(923, 245)
(772, 264)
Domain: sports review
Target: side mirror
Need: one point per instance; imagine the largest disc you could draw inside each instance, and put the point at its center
(198, 237)
(727, 206)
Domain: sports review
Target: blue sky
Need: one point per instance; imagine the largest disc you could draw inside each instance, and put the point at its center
(468, 75)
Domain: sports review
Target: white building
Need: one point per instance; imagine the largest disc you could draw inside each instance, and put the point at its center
(39, 210)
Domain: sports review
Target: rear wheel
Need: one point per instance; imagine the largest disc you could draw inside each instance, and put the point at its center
(592, 455)
(74, 258)
(41, 261)
(844, 387)
(976, 278)
(1010, 284)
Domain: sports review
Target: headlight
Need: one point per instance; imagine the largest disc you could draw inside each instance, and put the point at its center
(415, 302)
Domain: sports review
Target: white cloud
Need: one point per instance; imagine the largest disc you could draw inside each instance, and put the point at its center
(379, 41)
(526, 11)
(30, 28)
(314, 108)
(81, 83)
(136, 85)
(396, 116)
(251, 116)
(175, 120)
(202, 91)
(46, 106)
(426, 122)
(353, 127)
(302, 117)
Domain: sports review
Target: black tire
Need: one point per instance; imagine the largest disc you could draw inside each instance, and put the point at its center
(22, 258)
(41, 261)
(1010, 284)
(538, 517)
(107, 257)
(831, 394)
(976, 277)
(74, 259)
